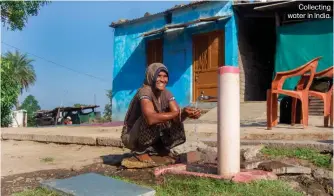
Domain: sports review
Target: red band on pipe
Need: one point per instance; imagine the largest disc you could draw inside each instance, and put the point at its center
(228, 69)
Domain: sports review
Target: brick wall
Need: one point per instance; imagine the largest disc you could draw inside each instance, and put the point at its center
(255, 73)
(255, 57)
(253, 78)
(242, 78)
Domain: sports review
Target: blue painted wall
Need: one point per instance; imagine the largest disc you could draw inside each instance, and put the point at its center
(130, 53)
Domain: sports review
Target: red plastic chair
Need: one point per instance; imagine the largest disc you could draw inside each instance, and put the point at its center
(301, 94)
(324, 96)
(331, 112)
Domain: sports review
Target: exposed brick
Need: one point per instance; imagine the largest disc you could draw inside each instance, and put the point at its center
(255, 60)
(190, 157)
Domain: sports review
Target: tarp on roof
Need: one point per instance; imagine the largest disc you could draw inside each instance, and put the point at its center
(301, 42)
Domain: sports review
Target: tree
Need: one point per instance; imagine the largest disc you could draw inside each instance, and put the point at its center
(108, 107)
(21, 69)
(10, 90)
(30, 104)
(15, 13)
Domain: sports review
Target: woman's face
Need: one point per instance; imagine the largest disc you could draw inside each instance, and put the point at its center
(162, 81)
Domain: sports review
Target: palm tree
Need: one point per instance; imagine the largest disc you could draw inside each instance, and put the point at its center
(22, 70)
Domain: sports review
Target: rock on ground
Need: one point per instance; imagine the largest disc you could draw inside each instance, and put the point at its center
(317, 190)
(207, 153)
(189, 146)
(249, 153)
(322, 174)
(306, 184)
(324, 177)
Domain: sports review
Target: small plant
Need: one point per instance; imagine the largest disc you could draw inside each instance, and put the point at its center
(47, 159)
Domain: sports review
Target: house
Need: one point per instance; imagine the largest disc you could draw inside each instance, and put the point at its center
(193, 40)
(281, 36)
(177, 38)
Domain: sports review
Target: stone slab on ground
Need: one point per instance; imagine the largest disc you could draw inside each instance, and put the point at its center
(280, 168)
(96, 184)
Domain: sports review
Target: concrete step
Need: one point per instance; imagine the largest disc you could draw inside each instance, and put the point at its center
(110, 136)
(316, 107)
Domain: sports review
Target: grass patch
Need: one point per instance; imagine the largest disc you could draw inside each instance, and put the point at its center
(36, 192)
(320, 160)
(195, 186)
(47, 159)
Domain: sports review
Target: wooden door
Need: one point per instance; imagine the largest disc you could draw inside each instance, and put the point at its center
(208, 55)
(154, 52)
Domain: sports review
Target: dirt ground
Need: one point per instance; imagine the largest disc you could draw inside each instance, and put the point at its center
(25, 164)
(26, 156)
(20, 182)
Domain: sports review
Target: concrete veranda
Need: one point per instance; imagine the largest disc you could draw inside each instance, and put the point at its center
(252, 127)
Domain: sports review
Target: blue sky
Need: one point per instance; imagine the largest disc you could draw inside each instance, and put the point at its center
(75, 35)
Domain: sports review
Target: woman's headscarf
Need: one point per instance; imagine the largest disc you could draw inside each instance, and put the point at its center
(151, 76)
(152, 73)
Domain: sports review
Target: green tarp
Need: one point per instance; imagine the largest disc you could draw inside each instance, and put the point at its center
(299, 43)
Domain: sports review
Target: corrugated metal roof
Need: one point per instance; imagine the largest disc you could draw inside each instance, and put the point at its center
(147, 17)
(185, 25)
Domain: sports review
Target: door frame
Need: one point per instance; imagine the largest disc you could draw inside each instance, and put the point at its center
(209, 58)
(147, 42)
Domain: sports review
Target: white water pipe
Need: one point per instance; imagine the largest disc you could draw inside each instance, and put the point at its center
(228, 121)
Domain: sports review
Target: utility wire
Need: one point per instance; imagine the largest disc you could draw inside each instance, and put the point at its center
(89, 75)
